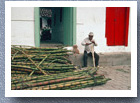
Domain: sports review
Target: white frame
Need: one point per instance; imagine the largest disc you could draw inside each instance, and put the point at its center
(70, 93)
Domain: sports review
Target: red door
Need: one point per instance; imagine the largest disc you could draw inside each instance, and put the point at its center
(117, 23)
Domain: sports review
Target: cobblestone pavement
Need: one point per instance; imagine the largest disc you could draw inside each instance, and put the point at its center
(120, 78)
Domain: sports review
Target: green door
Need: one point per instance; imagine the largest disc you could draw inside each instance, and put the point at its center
(69, 26)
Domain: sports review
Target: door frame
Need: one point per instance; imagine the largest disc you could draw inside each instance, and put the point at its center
(37, 26)
(73, 26)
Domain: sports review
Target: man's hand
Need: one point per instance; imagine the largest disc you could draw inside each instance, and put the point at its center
(93, 41)
(88, 43)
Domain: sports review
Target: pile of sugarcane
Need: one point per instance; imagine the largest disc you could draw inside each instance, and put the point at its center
(63, 81)
(32, 60)
(29, 63)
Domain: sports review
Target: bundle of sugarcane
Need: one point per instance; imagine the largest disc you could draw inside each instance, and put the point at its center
(34, 60)
(51, 77)
(72, 85)
(37, 50)
(69, 80)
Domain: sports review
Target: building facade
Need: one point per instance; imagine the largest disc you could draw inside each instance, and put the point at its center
(66, 25)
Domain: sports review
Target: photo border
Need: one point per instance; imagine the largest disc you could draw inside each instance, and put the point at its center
(70, 93)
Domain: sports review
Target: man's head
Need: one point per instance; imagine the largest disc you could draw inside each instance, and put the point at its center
(90, 35)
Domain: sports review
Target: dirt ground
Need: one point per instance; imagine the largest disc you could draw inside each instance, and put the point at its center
(120, 78)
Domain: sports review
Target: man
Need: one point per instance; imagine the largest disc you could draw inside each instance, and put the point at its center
(88, 42)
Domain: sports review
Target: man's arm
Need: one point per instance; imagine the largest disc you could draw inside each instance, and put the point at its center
(84, 43)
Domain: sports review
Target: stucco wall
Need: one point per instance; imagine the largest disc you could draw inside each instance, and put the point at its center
(22, 26)
(93, 19)
(88, 19)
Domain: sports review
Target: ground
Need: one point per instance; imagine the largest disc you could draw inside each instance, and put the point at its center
(120, 78)
(113, 65)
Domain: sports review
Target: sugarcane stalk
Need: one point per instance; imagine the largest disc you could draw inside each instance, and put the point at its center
(50, 81)
(27, 79)
(18, 72)
(46, 52)
(35, 48)
(43, 64)
(48, 61)
(32, 61)
(31, 73)
(41, 57)
(23, 66)
(18, 76)
(63, 79)
(52, 78)
(83, 72)
(14, 55)
(30, 84)
(42, 48)
(45, 68)
(13, 46)
(60, 86)
(84, 83)
(37, 72)
(26, 85)
(26, 70)
(34, 54)
(39, 65)
(90, 83)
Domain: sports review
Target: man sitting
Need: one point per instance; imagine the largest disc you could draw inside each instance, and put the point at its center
(88, 42)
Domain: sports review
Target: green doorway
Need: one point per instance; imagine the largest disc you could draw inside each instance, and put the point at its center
(62, 28)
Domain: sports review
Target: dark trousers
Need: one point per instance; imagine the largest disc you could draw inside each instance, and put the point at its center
(96, 56)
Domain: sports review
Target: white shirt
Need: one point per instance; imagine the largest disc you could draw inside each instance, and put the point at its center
(88, 48)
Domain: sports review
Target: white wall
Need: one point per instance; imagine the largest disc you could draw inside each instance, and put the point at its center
(88, 19)
(93, 20)
(22, 26)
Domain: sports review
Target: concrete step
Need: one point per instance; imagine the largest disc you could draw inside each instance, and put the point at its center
(106, 59)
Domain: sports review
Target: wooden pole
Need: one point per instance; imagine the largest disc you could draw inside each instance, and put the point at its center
(92, 50)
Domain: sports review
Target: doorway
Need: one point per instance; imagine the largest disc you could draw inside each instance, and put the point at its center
(56, 25)
(45, 24)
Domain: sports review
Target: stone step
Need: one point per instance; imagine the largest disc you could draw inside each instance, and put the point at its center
(106, 59)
